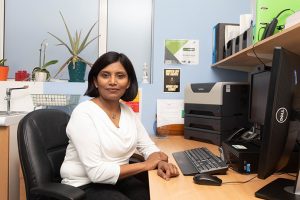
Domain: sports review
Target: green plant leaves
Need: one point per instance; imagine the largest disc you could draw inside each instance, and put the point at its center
(43, 68)
(84, 43)
(63, 66)
(2, 61)
(76, 45)
(62, 43)
(47, 64)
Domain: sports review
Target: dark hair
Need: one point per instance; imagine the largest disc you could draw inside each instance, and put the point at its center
(105, 60)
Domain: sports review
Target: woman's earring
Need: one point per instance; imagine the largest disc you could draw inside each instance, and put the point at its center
(96, 86)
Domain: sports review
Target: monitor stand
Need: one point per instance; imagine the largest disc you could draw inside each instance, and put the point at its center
(280, 189)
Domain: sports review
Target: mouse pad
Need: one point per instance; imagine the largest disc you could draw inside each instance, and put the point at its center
(184, 164)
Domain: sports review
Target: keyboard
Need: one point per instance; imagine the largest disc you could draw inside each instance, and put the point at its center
(199, 160)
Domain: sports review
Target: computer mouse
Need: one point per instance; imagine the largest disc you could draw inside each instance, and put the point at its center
(207, 179)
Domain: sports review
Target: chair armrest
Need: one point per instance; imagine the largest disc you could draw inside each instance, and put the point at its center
(59, 191)
(136, 158)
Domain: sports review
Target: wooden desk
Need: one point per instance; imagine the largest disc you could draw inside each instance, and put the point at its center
(183, 188)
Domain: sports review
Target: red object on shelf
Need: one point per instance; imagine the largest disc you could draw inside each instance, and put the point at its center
(22, 75)
(133, 105)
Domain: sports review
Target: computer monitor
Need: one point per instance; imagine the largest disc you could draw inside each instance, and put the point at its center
(281, 127)
(259, 83)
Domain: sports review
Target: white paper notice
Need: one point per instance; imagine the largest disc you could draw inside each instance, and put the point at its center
(169, 111)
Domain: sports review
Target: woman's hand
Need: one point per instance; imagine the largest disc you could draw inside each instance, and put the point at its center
(154, 158)
(163, 156)
(152, 161)
(167, 170)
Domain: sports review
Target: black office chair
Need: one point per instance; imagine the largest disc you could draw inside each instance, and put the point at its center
(42, 143)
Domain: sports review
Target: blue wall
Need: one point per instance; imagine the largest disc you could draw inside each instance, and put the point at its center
(173, 19)
(189, 19)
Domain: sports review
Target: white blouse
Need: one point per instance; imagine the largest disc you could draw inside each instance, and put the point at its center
(97, 147)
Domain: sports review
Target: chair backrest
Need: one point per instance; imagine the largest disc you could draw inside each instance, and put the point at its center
(42, 143)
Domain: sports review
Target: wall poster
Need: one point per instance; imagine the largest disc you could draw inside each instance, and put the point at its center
(171, 80)
(181, 52)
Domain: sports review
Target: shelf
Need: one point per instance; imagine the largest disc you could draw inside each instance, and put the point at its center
(245, 60)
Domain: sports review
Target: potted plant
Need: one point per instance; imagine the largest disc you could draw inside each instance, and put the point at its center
(76, 64)
(41, 73)
(3, 70)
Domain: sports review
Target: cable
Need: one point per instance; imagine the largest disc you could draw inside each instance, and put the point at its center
(257, 56)
(258, 34)
(281, 173)
(234, 134)
(280, 27)
(282, 12)
(292, 175)
(278, 15)
(242, 182)
(272, 25)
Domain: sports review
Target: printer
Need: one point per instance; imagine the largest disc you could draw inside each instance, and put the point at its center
(213, 111)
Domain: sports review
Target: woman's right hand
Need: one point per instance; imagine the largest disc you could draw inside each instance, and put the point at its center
(153, 160)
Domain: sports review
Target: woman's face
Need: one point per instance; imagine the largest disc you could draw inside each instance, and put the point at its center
(112, 82)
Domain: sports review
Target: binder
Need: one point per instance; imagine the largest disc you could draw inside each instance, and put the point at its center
(219, 41)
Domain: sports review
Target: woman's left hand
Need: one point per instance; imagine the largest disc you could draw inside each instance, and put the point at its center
(167, 170)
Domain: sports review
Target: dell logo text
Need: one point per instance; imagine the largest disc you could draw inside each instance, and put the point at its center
(281, 115)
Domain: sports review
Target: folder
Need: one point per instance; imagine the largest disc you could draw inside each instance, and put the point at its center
(219, 41)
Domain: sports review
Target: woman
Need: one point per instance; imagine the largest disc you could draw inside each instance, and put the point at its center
(104, 133)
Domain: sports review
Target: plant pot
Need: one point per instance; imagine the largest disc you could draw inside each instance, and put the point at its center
(3, 73)
(77, 72)
(40, 76)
